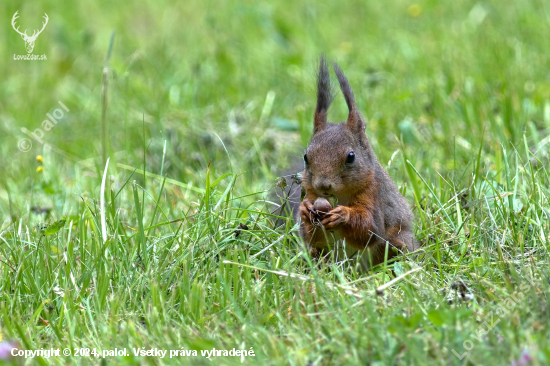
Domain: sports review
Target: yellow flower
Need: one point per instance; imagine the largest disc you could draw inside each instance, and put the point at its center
(346, 47)
(415, 10)
(40, 169)
(40, 159)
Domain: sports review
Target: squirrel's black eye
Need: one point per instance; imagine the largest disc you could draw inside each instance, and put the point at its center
(305, 159)
(351, 158)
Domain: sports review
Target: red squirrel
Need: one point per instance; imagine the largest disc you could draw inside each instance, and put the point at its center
(340, 162)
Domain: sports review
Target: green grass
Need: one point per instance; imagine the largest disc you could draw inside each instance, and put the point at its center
(208, 102)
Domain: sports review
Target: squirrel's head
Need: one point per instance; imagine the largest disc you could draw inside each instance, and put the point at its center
(338, 160)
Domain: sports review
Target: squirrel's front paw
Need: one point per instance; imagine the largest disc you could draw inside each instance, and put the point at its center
(306, 210)
(336, 218)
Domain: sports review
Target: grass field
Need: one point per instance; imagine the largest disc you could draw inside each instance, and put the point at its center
(208, 102)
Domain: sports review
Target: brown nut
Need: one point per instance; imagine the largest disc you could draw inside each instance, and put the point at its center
(321, 204)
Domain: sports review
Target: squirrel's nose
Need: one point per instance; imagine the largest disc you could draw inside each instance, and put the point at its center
(323, 186)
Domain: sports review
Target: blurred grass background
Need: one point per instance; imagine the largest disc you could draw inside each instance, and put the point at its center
(432, 72)
(461, 89)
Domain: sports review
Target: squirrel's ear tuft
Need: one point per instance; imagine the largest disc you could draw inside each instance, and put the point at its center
(324, 95)
(355, 121)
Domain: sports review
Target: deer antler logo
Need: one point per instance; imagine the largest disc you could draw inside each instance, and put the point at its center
(29, 41)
